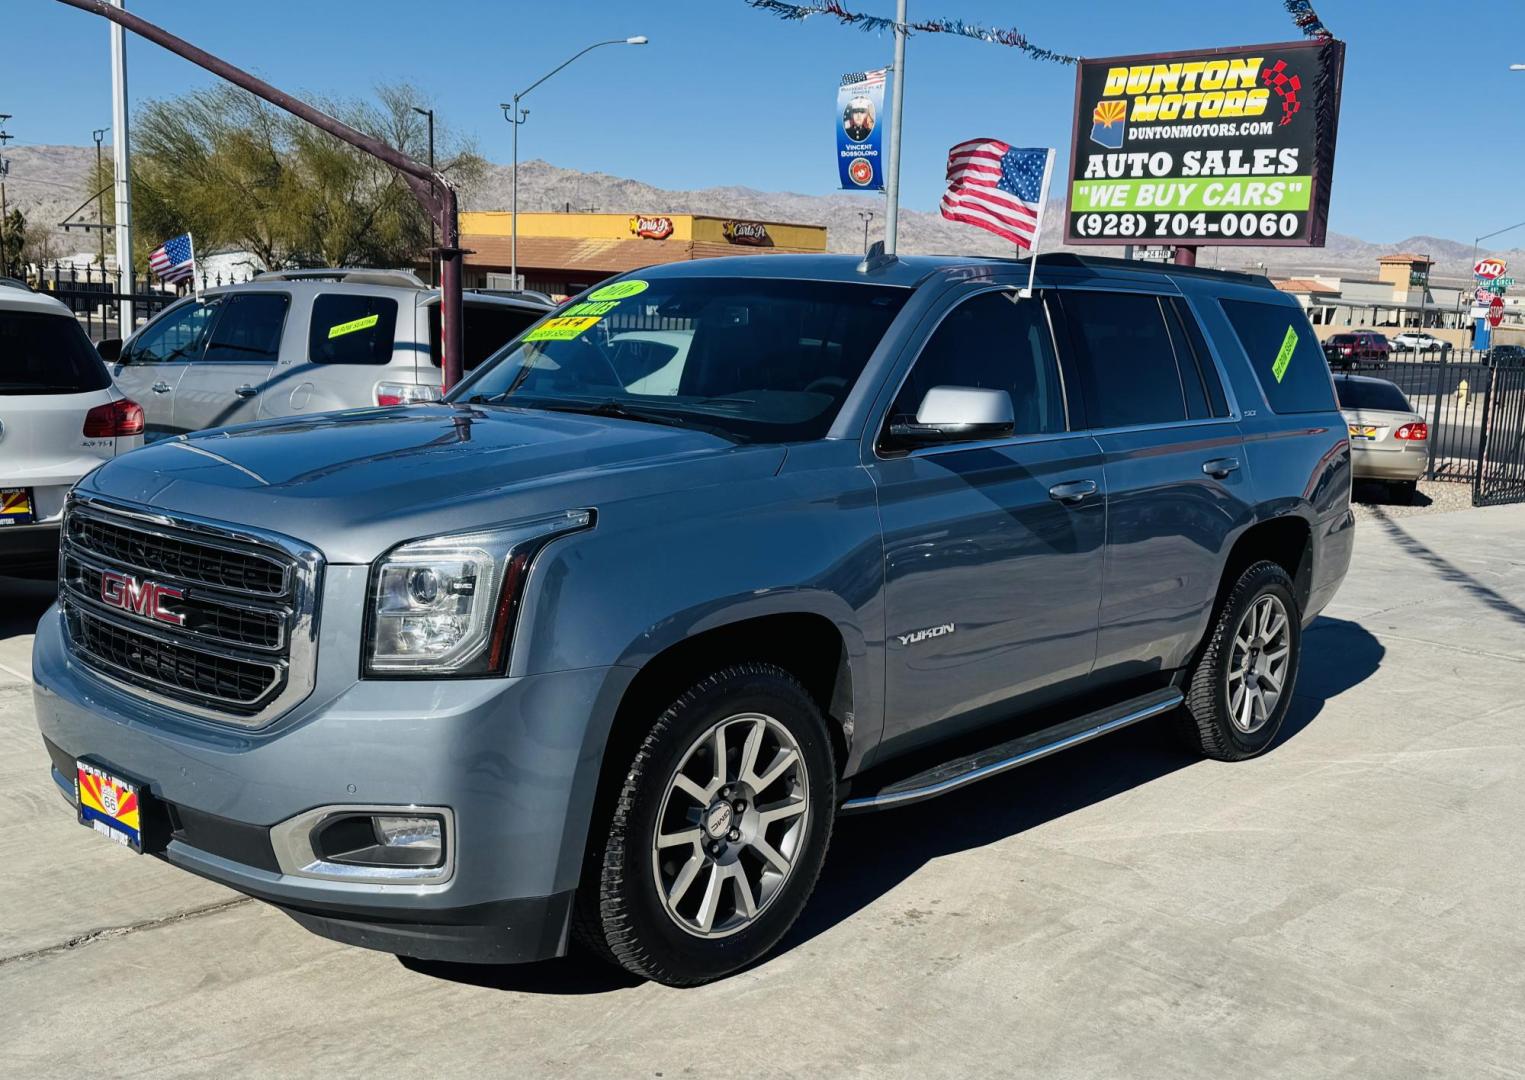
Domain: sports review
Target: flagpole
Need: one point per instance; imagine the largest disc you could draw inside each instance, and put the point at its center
(196, 282)
(1032, 261)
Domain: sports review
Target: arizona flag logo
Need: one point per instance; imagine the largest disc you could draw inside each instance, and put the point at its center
(108, 806)
(1108, 125)
(15, 502)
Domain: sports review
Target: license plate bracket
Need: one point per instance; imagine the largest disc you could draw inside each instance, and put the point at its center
(110, 804)
(18, 506)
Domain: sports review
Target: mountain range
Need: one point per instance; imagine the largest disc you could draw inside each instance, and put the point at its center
(47, 182)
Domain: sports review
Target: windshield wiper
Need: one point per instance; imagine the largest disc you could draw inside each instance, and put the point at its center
(610, 407)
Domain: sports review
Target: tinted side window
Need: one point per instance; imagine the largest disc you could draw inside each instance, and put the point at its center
(488, 327)
(1199, 378)
(42, 353)
(1124, 359)
(350, 328)
(1284, 354)
(176, 335)
(993, 342)
(250, 329)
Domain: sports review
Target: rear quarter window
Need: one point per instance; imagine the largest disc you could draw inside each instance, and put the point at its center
(43, 353)
(1284, 355)
(351, 328)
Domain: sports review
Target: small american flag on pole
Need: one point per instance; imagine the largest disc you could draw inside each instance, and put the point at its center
(998, 188)
(173, 260)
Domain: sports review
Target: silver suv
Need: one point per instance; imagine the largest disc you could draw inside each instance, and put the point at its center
(294, 342)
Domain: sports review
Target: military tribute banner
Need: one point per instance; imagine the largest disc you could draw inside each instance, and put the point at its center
(860, 130)
(1228, 147)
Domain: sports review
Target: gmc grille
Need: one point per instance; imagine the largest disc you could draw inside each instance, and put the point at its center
(227, 631)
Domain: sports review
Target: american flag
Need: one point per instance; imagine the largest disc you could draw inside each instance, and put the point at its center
(173, 259)
(996, 187)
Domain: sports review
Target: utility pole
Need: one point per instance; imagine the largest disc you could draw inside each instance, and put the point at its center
(122, 163)
(433, 235)
(867, 216)
(100, 207)
(892, 180)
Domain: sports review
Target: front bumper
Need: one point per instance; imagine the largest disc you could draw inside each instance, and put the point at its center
(516, 760)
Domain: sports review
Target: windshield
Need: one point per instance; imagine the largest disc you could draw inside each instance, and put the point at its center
(43, 353)
(1370, 395)
(753, 359)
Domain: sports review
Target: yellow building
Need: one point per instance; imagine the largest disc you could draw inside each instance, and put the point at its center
(563, 254)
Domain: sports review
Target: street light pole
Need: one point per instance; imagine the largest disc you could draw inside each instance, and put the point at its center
(433, 233)
(897, 117)
(516, 116)
(100, 207)
(867, 216)
(122, 162)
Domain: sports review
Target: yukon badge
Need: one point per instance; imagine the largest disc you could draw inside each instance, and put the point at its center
(917, 636)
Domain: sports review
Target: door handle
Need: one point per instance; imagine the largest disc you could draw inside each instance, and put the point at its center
(245, 391)
(160, 387)
(1073, 492)
(1218, 468)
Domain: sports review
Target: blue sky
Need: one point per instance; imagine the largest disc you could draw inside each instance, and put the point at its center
(1429, 134)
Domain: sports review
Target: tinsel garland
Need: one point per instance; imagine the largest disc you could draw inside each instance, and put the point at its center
(1307, 19)
(1011, 38)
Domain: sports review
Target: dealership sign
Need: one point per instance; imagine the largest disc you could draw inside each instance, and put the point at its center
(652, 228)
(1231, 147)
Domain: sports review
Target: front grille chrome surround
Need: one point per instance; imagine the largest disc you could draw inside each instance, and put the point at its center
(244, 648)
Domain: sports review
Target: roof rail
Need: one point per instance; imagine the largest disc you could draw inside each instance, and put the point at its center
(1099, 262)
(15, 283)
(350, 275)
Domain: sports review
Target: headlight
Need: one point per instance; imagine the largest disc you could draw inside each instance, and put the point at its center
(446, 605)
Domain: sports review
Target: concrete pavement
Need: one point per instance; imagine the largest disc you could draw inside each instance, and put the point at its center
(1347, 905)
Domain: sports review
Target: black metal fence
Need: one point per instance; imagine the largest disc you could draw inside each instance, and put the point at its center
(95, 295)
(1501, 449)
(1450, 390)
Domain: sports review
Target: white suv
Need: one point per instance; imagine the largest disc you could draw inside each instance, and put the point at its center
(60, 417)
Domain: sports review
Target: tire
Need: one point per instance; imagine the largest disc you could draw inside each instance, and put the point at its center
(1214, 718)
(621, 913)
(1403, 491)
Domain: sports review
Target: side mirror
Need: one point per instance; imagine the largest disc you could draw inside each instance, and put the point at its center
(110, 349)
(957, 414)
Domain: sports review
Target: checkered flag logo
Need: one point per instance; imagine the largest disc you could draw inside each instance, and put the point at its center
(1286, 87)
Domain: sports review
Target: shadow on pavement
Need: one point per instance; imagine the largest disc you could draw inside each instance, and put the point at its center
(1377, 493)
(22, 602)
(1449, 570)
(872, 853)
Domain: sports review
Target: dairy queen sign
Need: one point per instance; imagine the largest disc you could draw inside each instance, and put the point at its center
(754, 233)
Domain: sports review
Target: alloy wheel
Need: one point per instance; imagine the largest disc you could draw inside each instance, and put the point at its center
(1258, 663)
(732, 823)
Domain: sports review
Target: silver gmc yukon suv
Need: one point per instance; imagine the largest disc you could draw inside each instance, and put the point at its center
(598, 647)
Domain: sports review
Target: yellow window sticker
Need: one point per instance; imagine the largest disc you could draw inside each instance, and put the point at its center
(587, 308)
(562, 329)
(352, 326)
(620, 290)
(1284, 356)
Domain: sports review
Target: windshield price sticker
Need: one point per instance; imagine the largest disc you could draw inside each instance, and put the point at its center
(562, 329)
(353, 326)
(1284, 354)
(1225, 147)
(620, 290)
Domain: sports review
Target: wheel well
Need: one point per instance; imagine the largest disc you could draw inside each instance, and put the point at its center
(1286, 541)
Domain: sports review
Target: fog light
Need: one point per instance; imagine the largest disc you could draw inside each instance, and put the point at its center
(382, 840)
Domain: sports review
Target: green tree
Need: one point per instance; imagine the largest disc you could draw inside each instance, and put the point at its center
(238, 173)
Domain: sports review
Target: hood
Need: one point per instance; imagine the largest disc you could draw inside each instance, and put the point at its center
(357, 482)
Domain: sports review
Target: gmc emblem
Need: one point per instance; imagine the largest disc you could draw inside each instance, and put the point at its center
(144, 598)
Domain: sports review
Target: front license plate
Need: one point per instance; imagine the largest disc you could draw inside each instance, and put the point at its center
(109, 805)
(1367, 433)
(16, 507)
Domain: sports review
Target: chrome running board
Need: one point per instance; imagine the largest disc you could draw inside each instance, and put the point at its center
(952, 775)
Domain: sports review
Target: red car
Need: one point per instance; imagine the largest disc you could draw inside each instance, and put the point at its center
(1350, 351)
